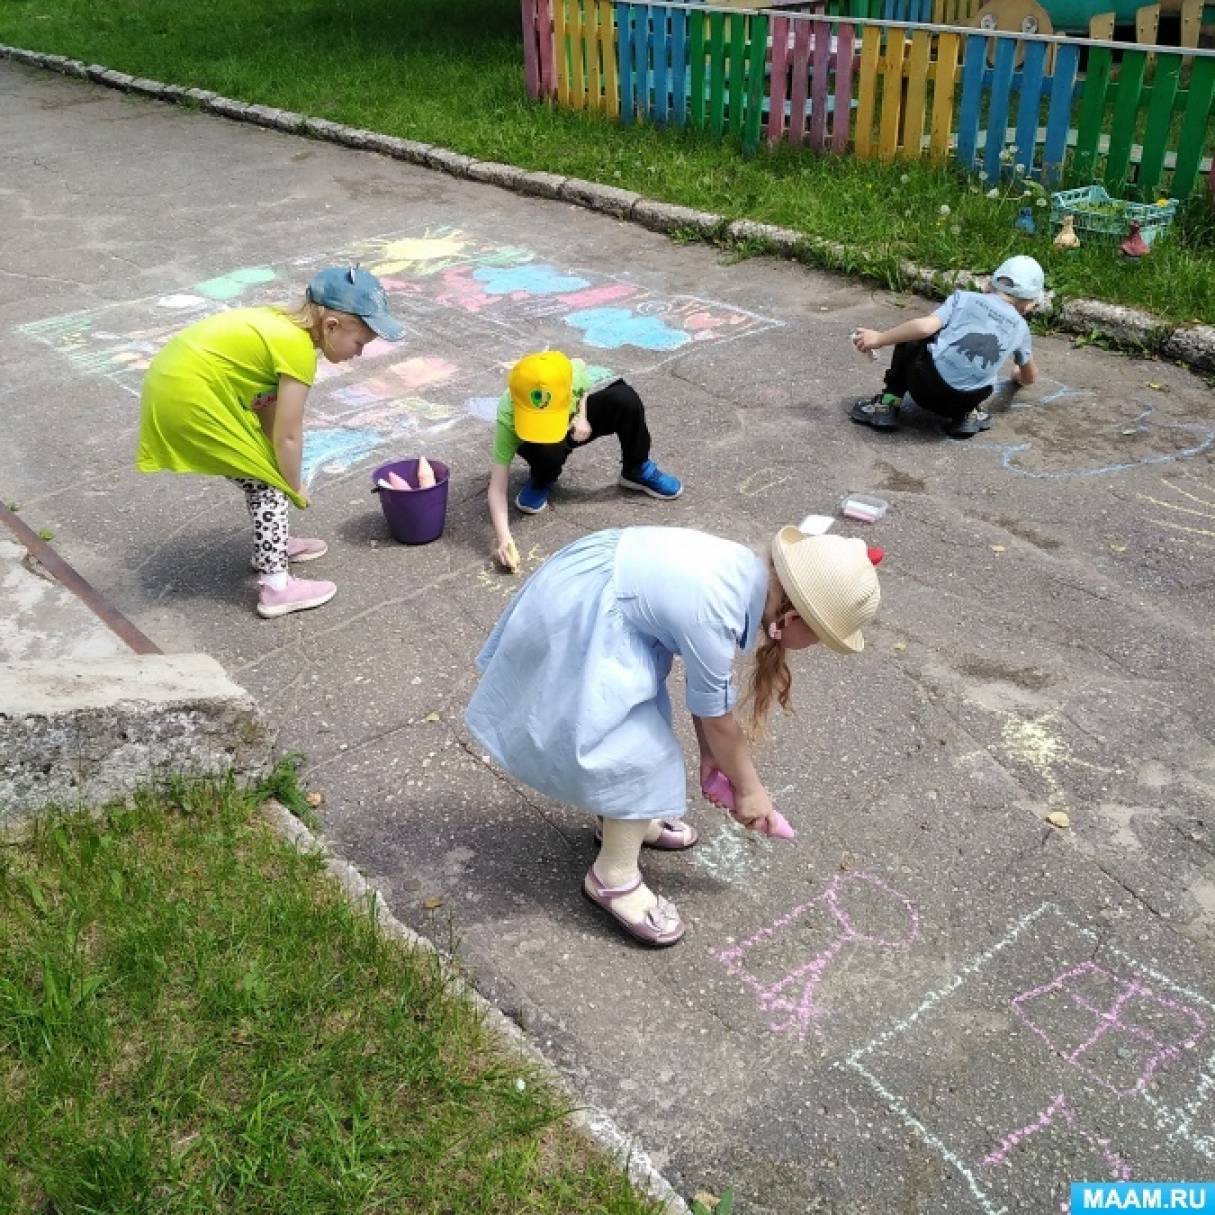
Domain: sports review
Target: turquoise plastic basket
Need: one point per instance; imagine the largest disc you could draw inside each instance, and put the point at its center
(1097, 216)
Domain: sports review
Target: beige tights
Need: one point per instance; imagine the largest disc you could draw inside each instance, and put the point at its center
(616, 864)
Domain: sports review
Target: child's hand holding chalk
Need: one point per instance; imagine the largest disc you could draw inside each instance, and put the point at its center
(864, 341)
(507, 555)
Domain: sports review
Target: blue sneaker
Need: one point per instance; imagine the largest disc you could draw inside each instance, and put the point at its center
(650, 479)
(533, 497)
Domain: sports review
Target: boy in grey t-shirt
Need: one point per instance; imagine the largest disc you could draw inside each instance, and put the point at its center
(948, 361)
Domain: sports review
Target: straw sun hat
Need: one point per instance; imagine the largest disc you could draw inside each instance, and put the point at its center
(831, 583)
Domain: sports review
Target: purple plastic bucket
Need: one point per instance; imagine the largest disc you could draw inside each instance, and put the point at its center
(414, 516)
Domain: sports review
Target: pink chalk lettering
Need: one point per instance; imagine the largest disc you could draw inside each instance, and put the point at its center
(1121, 1021)
(801, 1011)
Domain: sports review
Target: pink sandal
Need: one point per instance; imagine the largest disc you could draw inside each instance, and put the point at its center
(675, 836)
(661, 925)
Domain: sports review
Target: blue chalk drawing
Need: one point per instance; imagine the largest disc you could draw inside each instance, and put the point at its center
(534, 280)
(229, 286)
(1010, 451)
(610, 328)
(485, 408)
(336, 449)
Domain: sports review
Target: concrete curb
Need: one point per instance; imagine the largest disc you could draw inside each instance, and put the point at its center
(1128, 328)
(87, 731)
(593, 1122)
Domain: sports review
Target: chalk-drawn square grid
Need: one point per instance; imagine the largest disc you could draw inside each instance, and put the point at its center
(1127, 1034)
(1043, 1120)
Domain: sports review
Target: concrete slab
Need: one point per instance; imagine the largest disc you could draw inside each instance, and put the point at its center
(933, 1001)
(41, 619)
(88, 731)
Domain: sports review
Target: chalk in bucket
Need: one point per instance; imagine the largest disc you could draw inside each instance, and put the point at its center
(414, 516)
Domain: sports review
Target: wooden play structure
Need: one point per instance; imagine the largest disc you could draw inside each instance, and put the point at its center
(927, 78)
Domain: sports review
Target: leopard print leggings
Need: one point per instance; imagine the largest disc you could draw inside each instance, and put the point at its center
(268, 510)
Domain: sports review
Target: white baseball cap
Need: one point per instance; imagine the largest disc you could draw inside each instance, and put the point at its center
(1020, 276)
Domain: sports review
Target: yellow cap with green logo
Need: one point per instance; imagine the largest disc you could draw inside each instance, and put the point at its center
(541, 387)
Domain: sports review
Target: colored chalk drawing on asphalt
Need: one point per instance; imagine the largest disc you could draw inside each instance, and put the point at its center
(1191, 438)
(1193, 515)
(1093, 1068)
(1119, 1015)
(471, 307)
(793, 997)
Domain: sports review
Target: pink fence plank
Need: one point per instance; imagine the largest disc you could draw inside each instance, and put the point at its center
(778, 80)
(797, 94)
(544, 37)
(845, 60)
(531, 57)
(818, 91)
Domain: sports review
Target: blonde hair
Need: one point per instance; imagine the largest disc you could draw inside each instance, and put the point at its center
(770, 679)
(310, 316)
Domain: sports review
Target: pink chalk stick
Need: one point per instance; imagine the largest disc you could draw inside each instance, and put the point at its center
(719, 788)
(397, 482)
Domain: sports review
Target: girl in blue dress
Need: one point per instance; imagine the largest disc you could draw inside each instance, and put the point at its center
(573, 698)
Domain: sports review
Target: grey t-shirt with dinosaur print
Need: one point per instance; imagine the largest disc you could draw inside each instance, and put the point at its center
(978, 333)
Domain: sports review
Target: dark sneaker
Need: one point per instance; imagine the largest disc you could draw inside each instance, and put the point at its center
(970, 424)
(876, 413)
(650, 479)
(533, 497)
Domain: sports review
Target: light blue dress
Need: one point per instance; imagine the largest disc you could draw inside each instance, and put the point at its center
(573, 698)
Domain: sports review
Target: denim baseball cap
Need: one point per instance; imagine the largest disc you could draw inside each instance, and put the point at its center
(351, 289)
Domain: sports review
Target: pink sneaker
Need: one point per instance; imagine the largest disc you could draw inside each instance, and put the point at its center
(296, 596)
(300, 548)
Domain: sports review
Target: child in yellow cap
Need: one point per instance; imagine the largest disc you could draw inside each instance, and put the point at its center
(547, 411)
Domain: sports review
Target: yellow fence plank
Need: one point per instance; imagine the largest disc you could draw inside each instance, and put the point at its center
(917, 93)
(577, 68)
(590, 31)
(944, 81)
(866, 90)
(892, 93)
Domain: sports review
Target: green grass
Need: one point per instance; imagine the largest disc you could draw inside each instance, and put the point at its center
(193, 1020)
(450, 72)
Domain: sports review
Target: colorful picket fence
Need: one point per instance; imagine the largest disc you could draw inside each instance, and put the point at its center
(1137, 118)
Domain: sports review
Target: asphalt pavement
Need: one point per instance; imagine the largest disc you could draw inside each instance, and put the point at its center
(933, 1001)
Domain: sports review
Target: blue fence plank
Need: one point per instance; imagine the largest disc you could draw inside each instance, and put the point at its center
(1063, 91)
(679, 65)
(625, 16)
(1030, 85)
(660, 105)
(641, 67)
(974, 61)
(997, 106)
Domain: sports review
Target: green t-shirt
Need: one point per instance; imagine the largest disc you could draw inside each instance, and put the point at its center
(202, 390)
(506, 439)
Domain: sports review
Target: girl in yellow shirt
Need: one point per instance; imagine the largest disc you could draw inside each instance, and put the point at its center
(225, 397)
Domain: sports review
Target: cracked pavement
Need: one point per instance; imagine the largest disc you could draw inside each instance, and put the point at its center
(932, 1001)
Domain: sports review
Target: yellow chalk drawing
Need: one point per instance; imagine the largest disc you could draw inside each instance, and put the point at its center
(755, 483)
(505, 584)
(1173, 526)
(415, 252)
(1035, 743)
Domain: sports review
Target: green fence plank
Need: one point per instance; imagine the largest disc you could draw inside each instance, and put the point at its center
(756, 81)
(1195, 128)
(1092, 110)
(738, 71)
(1122, 130)
(717, 73)
(697, 54)
(1159, 117)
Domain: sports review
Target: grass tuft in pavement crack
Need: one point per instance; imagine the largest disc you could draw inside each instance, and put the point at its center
(193, 1019)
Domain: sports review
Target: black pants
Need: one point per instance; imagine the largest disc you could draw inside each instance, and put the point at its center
(614, 410)
(912, 370)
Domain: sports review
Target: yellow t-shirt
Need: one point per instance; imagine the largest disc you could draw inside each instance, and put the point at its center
(201, 390)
